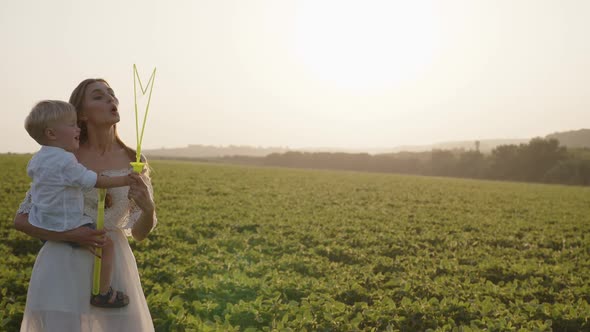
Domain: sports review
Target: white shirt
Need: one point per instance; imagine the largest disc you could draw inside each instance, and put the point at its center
(57, 191)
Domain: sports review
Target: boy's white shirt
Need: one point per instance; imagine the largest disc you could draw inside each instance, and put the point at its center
(57, 191)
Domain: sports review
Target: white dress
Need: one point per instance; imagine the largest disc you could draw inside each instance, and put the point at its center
(58, 298)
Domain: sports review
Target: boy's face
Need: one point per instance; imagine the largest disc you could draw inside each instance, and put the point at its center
(64, 133)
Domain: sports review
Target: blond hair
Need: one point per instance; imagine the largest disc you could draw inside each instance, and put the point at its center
(44, 114)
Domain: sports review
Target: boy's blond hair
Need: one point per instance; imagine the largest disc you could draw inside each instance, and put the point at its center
(44, 114)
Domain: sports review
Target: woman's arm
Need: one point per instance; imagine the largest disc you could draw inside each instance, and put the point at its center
(144, 225)
(84, 236)
(139, 192)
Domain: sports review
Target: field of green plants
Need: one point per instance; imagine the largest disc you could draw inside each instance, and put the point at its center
(266, 249)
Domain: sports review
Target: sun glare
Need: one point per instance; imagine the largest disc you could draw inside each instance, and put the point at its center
(366, 44)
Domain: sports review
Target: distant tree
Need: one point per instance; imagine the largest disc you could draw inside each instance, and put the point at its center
(539, 156)
(443, 162)
(573, 171)
(505, 162)
(526, 162)
(579, 153)
(539, 160)
(471, 164)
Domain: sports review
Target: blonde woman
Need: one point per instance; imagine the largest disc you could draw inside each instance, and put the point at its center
(58, 298)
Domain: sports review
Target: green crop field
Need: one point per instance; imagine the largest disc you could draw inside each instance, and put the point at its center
(265, 249)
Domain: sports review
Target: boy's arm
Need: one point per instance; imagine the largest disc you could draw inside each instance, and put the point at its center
(112, 181)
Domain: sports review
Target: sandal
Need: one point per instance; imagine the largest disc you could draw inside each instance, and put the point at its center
(110, 299)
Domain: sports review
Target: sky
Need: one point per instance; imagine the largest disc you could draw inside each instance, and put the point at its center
(306, 73)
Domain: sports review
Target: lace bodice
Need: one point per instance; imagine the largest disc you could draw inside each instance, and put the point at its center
(122, 214)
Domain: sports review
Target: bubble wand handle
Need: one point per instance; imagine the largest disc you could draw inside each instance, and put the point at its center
(98, 251)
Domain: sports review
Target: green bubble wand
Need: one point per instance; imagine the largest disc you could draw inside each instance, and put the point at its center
(138, 165)
(137, 168)
(102, 193)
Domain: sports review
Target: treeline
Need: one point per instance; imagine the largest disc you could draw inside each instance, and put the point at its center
(540, 160)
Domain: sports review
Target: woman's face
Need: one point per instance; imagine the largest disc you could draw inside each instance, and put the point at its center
(100, 106)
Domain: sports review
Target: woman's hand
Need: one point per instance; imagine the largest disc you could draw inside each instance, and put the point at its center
(83, 236)
(87, 237)
(139, 192)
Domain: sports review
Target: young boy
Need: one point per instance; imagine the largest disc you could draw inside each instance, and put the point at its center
(59, 182)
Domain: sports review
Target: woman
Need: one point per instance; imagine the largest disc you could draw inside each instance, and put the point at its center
(58, 298)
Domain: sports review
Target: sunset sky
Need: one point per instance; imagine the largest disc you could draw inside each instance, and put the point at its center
(303, 73)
